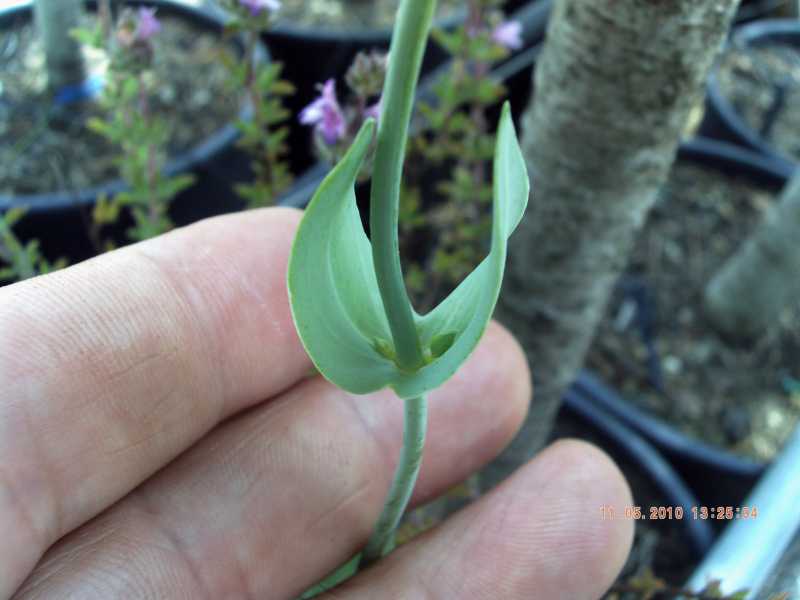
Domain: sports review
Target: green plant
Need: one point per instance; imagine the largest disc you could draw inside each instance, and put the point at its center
(131, 125)
(20, 261)
(347, 293)
(264, 136)
(336, 125)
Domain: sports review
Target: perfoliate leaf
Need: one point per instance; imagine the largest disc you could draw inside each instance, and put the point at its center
(469, 308)
(336, 305)
(333, 290)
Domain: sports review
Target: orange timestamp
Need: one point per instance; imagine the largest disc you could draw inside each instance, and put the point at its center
(657, 513)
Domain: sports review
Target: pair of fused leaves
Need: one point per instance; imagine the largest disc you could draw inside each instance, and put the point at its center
(333, 290)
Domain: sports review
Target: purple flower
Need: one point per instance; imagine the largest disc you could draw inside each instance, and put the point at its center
(256, 7)
(326, 114)
(508, 34)
(147, 25)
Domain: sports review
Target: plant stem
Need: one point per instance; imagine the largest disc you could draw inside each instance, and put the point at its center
(382, 540)
(264, 155)
(408, 46)
(154, 209)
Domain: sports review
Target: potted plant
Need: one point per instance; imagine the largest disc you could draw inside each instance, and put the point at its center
(712, 471)
(753, 90)
(659, 346)
(654, 455)
(668, 542)
(59, 166)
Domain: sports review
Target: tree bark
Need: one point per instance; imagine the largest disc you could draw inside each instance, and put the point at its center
(614, 86)
(746, 297)
(54, 21)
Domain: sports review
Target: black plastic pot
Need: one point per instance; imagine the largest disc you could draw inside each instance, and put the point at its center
(621, 441)
(59, 219)
(511, 6)
(751, 10)
(718, 476)
(722, 121)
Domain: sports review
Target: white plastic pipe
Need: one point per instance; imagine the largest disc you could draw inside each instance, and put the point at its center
(748, 550)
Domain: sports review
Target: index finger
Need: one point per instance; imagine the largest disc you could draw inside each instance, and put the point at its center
(111, 368)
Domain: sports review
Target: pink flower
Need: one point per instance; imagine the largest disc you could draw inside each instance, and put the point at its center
(326, 114)
(508, 34)
(148, 25)
(256, 7)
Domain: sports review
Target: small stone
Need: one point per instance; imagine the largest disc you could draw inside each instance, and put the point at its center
(701, 352)
(625, 315)
(672, 365)
(774, 417)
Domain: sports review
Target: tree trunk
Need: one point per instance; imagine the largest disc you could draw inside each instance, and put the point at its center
(54, 21)
(748, 294)
(614, 86)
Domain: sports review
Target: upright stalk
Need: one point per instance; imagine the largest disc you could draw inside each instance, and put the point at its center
(382, 540)
(408, 46)
(405, 59)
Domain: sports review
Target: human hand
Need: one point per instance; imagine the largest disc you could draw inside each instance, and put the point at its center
(159, 438)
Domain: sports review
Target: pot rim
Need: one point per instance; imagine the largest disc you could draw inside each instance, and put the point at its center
(198, 154)
(646, 456)
(663, 434)
(375, 36)
(749, 12)
(752, 34)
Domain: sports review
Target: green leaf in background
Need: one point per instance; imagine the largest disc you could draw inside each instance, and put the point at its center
(334, 293)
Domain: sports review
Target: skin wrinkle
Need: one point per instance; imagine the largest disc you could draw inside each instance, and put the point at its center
(472, 546)
(152, 434)
(51, 567)
(437, 568)
(153, 422)
(214, 287)
(20, 509)
(244, 580)
(253, 442)
(352, 498)
(384, 448)
(196, 322)
(54, 512)
(134, 557)
(176, 545)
